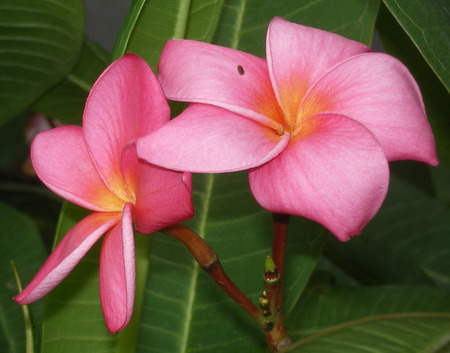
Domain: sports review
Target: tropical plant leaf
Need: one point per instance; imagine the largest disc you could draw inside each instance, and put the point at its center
(65, 102)
(40, 41)
(35, 201)
(243, 24)
(427, 23)
(436, 97)
(441, 182)
(149, 24)
(203, 19)
(397, 333)
(13, 148)
(372, 319)
(406, 242)
(27, 254)
(324, 307)
(182, 302)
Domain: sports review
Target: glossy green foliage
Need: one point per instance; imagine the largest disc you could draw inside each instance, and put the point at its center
(243, 24)
(406, 242)
(427, 23)
(150, 23)
(435, 94)
(20, 242)
(65, 101)
(382, 319)
(385, 291)
(40, 42)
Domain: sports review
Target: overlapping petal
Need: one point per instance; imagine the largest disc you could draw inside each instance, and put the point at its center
(125, 103)
(62, 162)
(163, 196)
(130, 169)
(378, 90)
(67, 254)
(336, 175)
(210, 139)
(192, 71)
(297, 56)
(117, 273)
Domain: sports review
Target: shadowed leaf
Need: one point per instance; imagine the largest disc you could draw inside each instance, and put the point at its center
(39, 42)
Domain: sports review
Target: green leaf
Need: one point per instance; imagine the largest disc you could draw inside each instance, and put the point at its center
(427, 23)
(13, 149)
(66, 100)
(441, 181)
(40, 41)
(243, 24)
(37, 202)
(406, 242)
(376, 319)
(149, 24)
(19, 242)
(435, 95)
(354, 303)
(203, 19)
(397, 333)
(185, 309)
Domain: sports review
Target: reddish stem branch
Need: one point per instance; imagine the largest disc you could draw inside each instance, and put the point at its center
(280, 228)
(270, 317)
(209, 262)
(277, 338)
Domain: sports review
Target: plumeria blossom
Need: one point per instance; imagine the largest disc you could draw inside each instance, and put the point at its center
(315, 124)
(96, 166)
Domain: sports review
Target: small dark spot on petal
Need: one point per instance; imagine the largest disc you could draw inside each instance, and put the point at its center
(240, 70)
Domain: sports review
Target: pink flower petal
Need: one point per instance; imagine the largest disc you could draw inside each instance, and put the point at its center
(377, 90)
(129, 167)
(192, 71)
(209, 139)
(67, 254)
(298, 56)
(336, 175)
(118, 273)
(163, 197)
(62, 162)
(125, 103)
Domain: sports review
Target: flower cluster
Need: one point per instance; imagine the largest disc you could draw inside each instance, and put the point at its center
(315, 124)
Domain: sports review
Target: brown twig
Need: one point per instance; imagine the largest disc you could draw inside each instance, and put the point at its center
(209, 262)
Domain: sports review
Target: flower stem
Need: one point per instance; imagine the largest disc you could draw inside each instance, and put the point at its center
(29, 332)
(269, 317)
(280, 228)
(209, 262)
(271, 300)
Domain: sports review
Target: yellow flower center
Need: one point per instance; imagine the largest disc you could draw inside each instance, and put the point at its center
(296, 112)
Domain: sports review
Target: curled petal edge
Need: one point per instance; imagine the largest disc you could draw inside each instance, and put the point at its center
(67, 255)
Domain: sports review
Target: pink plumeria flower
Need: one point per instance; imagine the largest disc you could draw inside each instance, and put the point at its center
(96, 167)
(316, 123)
